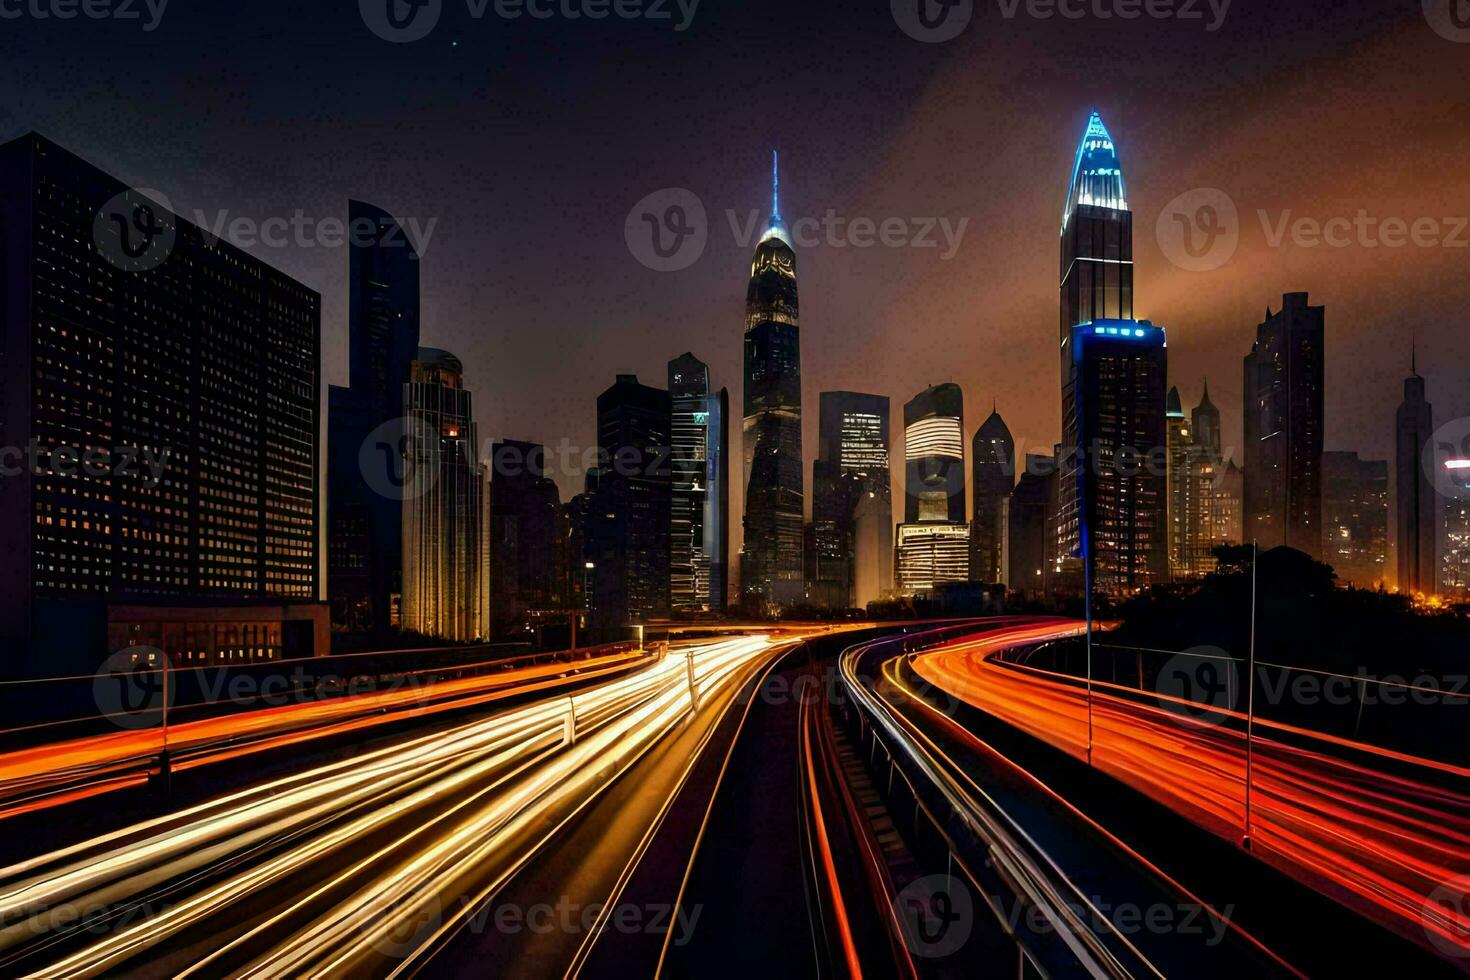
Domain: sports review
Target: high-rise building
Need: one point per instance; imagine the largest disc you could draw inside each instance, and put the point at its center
(1283, 428)
(771, 563)
(1418, 515)
(577, 561)
(1182, 505)
(1355, 518)
(365, 519)
(851, 471)
(1206, 424)
(1030, 521)
(932, 553)
(993, 461)
(1096, 284)
(446, 540)
(1216, 487)
(1454, 563)
(163, 389)
(699, 535)
(628, 536)
(934, 448)
(525, 523)
(1121, 490)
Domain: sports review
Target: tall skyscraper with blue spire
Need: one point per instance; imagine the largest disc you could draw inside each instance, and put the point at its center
(771, 563)
(1096, 284)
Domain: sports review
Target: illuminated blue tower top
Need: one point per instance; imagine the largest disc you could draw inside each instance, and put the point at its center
(777, 227)
(1097, 175)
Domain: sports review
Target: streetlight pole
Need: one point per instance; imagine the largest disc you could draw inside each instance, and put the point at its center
(1250, 696)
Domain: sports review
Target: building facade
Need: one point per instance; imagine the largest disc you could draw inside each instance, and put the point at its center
(699, 535)
(851, 472)
(164, 389)
(775, 507)
(1355, 518)
(628, 534)
(526, 580)
(934, 452)
(446, 539)
(1284, 428)
(365, 429)
(993, 464)
(1030, 527)
(1120, 487)
(1454, 560)
(930, 554)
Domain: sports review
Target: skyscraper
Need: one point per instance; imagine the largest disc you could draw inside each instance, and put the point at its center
(852, 472)
(525, 519)
(1206, 424)
(1182, 505)
(699, 536)
(993, 460)
(934, 447)
(1283, 428)
(365, 523)
(1096, 284)
(164, 388)
(1121, 488)
(446, 540)
(771, 564)
(1454, 564)
(1418, 516)
(1030, 520)
(1355, 518)
(628, 534)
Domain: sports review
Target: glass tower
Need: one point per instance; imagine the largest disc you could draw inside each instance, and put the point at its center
(699, 508)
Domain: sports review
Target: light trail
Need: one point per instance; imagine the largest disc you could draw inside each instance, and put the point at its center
(503, 777)
(1377, 839)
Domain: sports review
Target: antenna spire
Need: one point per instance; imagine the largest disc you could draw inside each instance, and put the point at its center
(775, 183)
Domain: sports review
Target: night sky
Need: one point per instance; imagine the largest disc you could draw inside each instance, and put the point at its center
(529, 141)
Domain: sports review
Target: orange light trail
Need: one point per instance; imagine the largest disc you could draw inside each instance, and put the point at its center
(1383, 843)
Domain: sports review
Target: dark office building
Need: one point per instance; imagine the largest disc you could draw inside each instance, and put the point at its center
(165, 388)
(525, 521)
(699, 536)
(1355, 518)
(1283, 428)
(852, 466)
(934, 449)
(1121, 490)
(1096, 284)
(771, 564)
(628, 535)
(993, 460)
(1418, 512)
(364, 480)
(1030, 516)
(576, 560)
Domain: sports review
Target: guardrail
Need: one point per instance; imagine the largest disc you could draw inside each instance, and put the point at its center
(131, 722)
